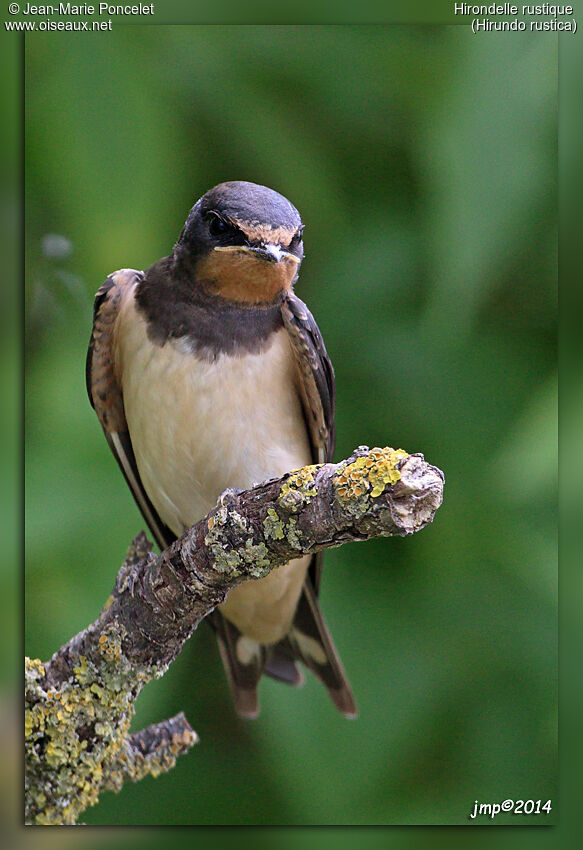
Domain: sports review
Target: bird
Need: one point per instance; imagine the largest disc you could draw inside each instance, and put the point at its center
(207, 372)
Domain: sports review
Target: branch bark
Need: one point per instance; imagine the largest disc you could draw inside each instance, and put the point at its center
(79, 704)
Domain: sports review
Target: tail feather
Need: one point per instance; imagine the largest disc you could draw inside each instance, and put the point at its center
(308, 641)
(281, 664)
(244, 662)
(313, 646)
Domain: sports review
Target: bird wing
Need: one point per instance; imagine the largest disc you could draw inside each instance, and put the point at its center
(106, 394)
(316, 384)
(316, 376)
(309, 639)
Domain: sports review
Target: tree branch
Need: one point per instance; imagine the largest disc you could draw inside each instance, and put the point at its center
(79, 704)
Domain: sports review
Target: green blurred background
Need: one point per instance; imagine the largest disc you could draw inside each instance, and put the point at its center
(423, 162)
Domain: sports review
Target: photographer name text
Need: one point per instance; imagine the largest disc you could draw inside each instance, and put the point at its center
(85, 9)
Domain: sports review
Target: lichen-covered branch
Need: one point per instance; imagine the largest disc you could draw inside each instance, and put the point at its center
(79, 704)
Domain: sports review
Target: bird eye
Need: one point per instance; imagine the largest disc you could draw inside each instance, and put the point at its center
(217, 225)
(296, 238)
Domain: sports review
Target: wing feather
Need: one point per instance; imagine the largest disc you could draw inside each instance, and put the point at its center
(317, 389)
(316, 376)
(106, 395)
(309, 638)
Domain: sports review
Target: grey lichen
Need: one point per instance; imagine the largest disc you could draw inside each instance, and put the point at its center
(273, 526)
(293, 534)
(60, 724)
(256, 558)
(226, 559)
(248, 557)
(77, 741)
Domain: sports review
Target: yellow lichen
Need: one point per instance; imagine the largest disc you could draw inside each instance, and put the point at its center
(34, 668)
(369, 474)
(29, 723)
(55, 754)
(82, 670)
(110, 645)
(296, 489)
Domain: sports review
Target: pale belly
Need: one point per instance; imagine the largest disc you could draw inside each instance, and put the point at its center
(202, 427)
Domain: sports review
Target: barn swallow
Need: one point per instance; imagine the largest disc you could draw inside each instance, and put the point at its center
(206, 372)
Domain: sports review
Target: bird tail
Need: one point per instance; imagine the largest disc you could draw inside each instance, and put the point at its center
(244, 662)
(308, 641)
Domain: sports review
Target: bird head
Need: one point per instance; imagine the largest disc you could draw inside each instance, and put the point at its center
(243, 242)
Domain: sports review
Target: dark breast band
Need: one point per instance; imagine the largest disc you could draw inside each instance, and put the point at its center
(210, 325)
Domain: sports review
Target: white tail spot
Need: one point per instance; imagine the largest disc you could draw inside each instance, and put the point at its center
(310, 647)
(247, 650)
